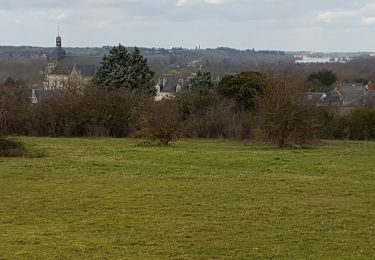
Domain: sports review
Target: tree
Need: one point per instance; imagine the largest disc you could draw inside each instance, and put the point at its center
(322, 80)
(244, 88)
(9, 82)
(202, 81)
(122, 69)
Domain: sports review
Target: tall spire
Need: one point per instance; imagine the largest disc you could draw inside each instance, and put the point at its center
(59, 50)
(58, 38)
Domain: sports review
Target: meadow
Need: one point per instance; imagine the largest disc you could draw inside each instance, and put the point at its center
(197, 199)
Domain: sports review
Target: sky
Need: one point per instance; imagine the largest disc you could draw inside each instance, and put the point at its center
(313, 25)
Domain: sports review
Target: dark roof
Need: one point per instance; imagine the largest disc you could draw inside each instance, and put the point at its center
(351, 92)
(334, 98)
(171, 84)
(86, 65)
(43, 95)
(87, 70)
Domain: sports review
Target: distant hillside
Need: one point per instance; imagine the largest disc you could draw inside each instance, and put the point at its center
(180, 61)
(27, 63)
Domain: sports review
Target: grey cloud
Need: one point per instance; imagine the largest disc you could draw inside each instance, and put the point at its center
(277, 24)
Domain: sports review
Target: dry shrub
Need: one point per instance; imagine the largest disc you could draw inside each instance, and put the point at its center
(161, 123)
(95, 112)
(14, 108)
(208, 115)
(357, 125)
(12, 148)
(282, 117)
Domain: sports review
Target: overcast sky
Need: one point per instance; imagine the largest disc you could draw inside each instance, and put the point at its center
(317, 25)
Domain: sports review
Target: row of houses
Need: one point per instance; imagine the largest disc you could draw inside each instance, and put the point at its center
(345, 95)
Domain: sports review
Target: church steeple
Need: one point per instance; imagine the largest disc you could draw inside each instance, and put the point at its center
(59, 50)
(58, 41)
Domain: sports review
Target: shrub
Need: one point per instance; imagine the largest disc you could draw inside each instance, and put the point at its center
(208, 115)
(161, 123)
(362, 124)
(95, 112)
(14, 107)
(12, 148)
(283, 119)
(357, 125)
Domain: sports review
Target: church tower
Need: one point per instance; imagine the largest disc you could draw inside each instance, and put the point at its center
(59, 52)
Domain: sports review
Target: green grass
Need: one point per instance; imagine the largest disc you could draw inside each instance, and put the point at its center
(114, 199)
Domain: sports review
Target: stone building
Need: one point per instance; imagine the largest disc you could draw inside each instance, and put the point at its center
(168, 86)
(62, 68)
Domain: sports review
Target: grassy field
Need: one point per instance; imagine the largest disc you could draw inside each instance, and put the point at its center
(115, 199)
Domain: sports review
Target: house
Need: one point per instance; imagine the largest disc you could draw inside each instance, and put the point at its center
(168, 86)
(340, 96)
(334, 98)
(345, 95)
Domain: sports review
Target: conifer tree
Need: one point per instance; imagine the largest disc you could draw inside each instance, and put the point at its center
(122, 69)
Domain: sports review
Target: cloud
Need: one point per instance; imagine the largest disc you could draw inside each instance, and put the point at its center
(359, 14)
(368, 20)
(273, 24)
(331, 16)
(216, 2)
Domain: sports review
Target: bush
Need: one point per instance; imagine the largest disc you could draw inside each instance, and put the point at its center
(96, 112)
(12, 148)
(14, 108)
(161, 123)
(362, 124)
(283, 119)
(357, 125)
(208, 115)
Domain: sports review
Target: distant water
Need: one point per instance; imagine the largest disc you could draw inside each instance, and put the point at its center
(315, 60)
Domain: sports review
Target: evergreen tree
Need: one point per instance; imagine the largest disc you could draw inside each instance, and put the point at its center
(244, 88)
(202, 81)
(122, 69)
(322, 80)
(10, 82)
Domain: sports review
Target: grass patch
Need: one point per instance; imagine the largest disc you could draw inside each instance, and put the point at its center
(111, 198)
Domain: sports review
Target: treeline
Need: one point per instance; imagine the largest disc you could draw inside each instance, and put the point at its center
(271, 110)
